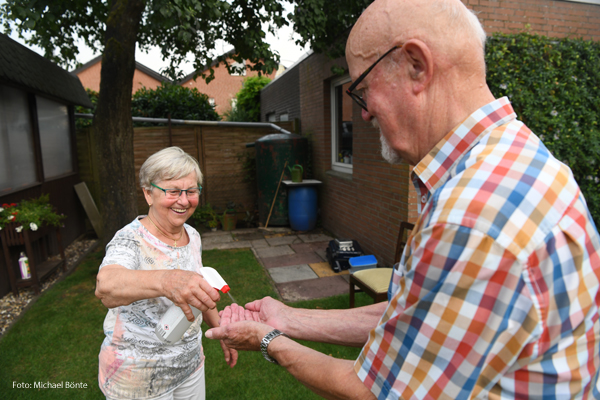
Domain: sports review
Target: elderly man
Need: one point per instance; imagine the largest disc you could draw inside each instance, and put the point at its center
(497, 292)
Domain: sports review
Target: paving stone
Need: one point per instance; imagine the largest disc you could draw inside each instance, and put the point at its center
(313, 288)
(322, 253)
(210, 240)
(275, 251)
(249, 236)
(287, 260)
(301, 247)
(292, 273)
(259, 244)
(324, 269)
(230, 245)
(315, 237)
(281, 240)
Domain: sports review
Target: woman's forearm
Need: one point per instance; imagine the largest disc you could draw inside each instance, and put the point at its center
(118, 286)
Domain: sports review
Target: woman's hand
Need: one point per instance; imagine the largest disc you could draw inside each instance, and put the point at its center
(185, 288)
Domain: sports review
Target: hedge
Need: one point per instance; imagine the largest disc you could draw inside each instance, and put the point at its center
(553, 85)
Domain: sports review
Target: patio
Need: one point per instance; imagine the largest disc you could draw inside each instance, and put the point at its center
(295, 261)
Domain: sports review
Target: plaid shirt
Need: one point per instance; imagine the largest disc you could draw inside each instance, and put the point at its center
(497, 292)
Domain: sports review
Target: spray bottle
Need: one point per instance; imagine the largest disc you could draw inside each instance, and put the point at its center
(24, 266)
(174, 323)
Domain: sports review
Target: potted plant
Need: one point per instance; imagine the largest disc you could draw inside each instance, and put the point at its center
(206, 215)
(29, 215)
(229, 217)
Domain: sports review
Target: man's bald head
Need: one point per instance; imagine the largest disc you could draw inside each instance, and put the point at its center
(446, 26)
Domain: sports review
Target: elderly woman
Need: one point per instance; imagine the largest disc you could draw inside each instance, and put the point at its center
(150, 264)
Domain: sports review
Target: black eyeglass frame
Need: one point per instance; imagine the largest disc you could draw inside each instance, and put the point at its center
(358, 99)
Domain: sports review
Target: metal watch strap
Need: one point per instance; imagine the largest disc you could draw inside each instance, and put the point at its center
(264, 344)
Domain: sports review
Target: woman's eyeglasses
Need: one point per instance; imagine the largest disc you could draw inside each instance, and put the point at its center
(191, 193)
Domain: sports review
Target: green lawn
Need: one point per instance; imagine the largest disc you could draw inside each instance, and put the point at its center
(57, 341)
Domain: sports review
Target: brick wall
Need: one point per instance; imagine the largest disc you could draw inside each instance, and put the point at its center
(369, 205)
(223, 88)
(545, 17)
(281, 96)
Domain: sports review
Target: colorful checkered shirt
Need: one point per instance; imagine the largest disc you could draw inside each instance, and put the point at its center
(497, 292)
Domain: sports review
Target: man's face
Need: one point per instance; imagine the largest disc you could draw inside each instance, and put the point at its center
(383, 91)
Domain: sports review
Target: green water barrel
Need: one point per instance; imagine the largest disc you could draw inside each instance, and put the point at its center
(272, 151)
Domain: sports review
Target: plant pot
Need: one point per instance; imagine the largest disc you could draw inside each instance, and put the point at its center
(229, 222)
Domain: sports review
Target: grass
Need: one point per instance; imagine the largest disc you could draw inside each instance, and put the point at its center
(58, 339)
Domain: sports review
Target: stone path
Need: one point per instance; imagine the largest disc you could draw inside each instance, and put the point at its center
(296, 261)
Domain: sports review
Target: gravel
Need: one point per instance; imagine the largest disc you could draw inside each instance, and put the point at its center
(12, 307)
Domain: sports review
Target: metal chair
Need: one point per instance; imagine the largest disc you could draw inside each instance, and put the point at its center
(375, 281)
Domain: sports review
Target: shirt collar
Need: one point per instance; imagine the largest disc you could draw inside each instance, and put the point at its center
(434, 167)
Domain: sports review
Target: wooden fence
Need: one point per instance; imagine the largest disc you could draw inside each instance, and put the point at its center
(220, 152)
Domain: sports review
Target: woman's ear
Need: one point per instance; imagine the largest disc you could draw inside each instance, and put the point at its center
(148, 196)
(420, 62)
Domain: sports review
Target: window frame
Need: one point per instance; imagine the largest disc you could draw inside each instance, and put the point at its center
(335, 164)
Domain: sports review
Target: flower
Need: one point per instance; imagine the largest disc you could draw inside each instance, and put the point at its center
(554, 113)
(30, 214)
(503, 86)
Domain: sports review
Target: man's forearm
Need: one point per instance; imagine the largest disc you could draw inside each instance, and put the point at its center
(329, 377)
(346, 327)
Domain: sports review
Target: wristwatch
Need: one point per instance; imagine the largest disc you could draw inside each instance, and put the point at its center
(265, 343)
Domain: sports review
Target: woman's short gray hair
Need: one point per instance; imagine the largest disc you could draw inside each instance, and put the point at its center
(166, 164)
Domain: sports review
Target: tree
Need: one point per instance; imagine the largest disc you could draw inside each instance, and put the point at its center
(247, 106)
(180, 28)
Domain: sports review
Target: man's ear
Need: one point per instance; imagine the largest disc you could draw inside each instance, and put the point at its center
(420, 62)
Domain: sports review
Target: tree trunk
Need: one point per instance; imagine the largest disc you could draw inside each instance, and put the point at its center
(112, 130)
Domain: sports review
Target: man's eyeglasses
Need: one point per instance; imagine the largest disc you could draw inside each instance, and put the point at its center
(191, 193)
(358, 99)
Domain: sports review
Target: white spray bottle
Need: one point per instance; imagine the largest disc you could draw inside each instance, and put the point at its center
(174, 324)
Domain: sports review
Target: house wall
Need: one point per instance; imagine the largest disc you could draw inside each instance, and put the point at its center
(369, 204)
(90, 79)
(281, 96)
(223, 88)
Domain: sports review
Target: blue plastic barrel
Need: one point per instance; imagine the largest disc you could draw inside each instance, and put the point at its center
(302, 207)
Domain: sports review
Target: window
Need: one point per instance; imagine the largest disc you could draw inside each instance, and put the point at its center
(55, 137)
(17, 165)
(239, 69)
(284, 117)
(341, 126)
(272, 117)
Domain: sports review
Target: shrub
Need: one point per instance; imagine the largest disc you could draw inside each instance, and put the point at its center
(181, 102)
(248, 100)
(554, 87)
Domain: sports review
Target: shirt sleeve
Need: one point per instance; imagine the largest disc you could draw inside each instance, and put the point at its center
(122, 250)
(460, 316)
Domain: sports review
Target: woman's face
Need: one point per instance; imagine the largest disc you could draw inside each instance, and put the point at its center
(170, 213)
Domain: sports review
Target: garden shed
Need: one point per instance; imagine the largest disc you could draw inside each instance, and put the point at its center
(37, 137)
